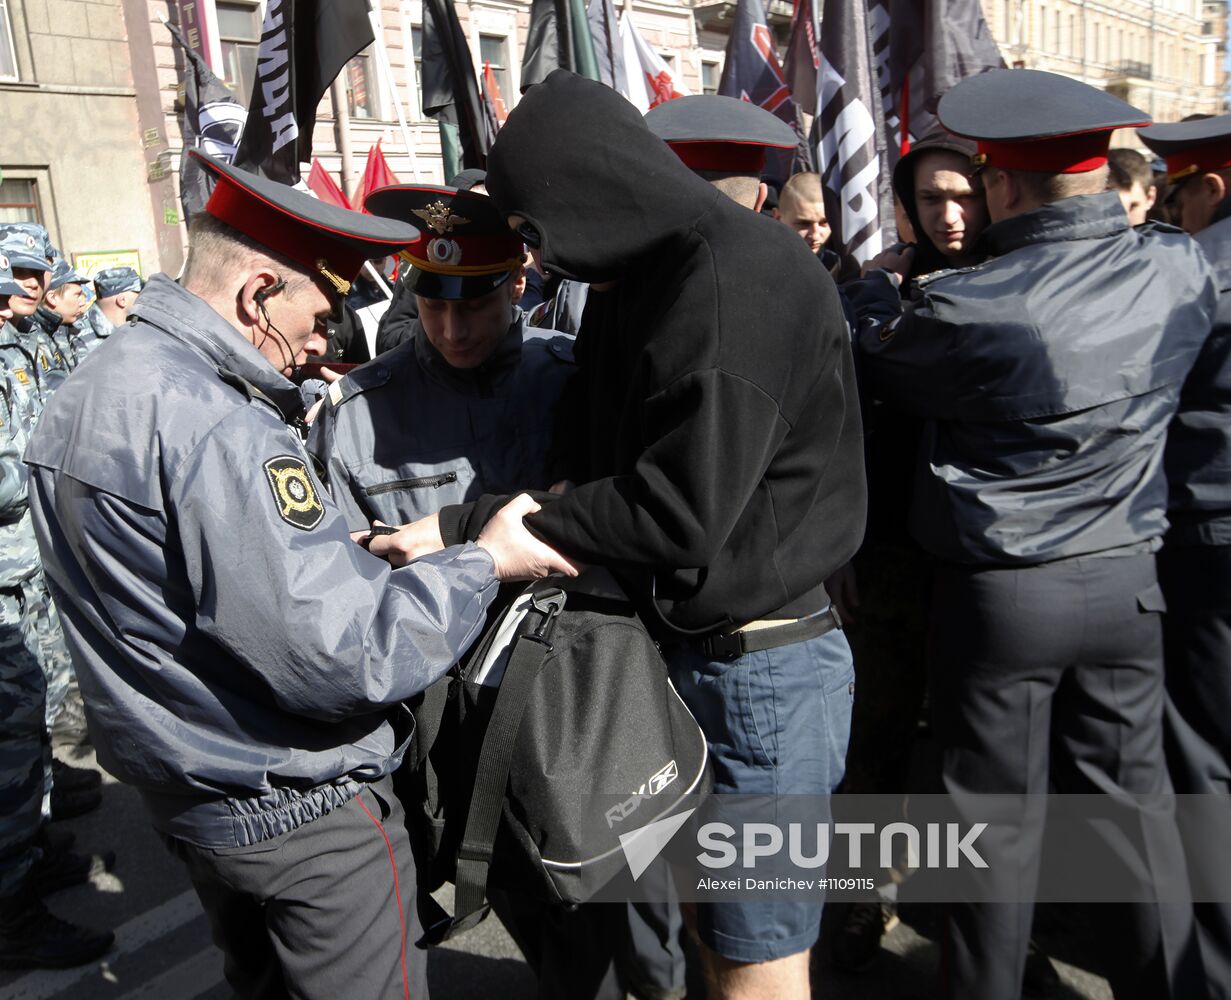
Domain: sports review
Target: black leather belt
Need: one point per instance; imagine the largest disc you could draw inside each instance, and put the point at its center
(733, 645)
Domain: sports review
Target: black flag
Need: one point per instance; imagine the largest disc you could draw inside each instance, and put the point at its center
(304, 46)
(605, 31)
(451, 89)
(921, 50)
(751, 73)
(558, 38)
(845, 131)
(213, 122)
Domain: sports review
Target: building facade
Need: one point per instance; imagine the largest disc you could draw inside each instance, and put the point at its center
(90, 92)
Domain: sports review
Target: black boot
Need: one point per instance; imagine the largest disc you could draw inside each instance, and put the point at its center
(73, 779)
(53, 872)
(32, 937)
(67, 804)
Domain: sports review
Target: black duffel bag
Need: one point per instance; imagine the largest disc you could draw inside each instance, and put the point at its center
(558, 733)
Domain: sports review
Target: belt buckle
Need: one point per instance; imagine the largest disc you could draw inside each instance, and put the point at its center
(724, 647)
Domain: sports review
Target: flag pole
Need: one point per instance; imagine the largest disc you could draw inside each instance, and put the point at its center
(386, 69)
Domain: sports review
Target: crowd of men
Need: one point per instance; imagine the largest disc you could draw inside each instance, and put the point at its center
(994, 466)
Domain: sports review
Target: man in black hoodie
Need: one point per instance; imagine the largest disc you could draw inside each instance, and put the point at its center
(720, 461)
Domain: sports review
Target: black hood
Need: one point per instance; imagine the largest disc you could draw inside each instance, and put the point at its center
(577, 162)
(927, 257)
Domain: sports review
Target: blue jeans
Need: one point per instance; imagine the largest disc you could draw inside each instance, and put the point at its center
(777, 722)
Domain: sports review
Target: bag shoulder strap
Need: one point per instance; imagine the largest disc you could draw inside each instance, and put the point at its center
(474, 855)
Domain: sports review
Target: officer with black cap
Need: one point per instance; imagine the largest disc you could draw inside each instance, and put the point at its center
(467, 405)
(1047, 377)
(1195, 563)
(243, 661)
(723, 140)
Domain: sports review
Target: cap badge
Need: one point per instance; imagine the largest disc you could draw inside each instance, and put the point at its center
(439, 217)
(338, 282)
(29, 242)
(442, 251)
(4, 262)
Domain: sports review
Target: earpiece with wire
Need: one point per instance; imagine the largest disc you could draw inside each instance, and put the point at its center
(259, 298)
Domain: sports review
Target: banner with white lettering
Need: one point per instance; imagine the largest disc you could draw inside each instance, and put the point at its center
(845, 131)
(304, 46)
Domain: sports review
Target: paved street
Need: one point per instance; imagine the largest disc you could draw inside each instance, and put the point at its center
(163, 950)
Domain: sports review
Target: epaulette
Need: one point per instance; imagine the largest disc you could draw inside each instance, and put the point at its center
(556, 344)
(367, 376)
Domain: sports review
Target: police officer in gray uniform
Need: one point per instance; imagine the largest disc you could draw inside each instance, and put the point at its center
(62, 309)
(1047, 376)
(467, 405)
(115, 290)
(1195, 563)
(51, 366)
(30, 864)
(243, 661)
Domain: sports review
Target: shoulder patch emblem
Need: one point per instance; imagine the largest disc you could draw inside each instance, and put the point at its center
(889, 330)
(294, 494)
(335, 392)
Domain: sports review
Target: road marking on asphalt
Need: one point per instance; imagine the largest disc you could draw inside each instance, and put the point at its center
(189, 979)
(130, 937)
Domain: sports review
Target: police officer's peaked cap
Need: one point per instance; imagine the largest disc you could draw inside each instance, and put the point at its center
(1025, 119)
(8, 284)
(1191, 147)
(466, 248)
(115, 281)
(23, 247)
(63, 273)
(710, 132)
(332, 241)
(40, 236)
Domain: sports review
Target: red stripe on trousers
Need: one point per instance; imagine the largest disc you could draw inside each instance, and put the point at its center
(397, 892)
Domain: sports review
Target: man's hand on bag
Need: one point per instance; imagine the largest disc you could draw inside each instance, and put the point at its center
(518, 555)
(409, 542)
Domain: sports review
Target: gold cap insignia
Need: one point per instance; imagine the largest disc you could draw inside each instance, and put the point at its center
(439, 217)
(338, 282)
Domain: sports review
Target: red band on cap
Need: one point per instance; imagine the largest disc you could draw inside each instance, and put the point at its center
(1066, 154)
(458, 254)
(299, 241)
(728, 157)
(1207, 157)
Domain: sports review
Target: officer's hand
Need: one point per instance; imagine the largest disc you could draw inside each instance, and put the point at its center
(313, 411)
(329, 375)
(844, 591)
(518, 555)
(896, 261)
(409, 542)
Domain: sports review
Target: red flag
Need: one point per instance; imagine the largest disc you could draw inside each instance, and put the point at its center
(324, 186)
(375, 175)
(492, 92)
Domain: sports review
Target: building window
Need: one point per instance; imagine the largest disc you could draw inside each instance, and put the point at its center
(709, 77)
(494, 49)
(8, 54)
(239, 30)
(19, 201)
(360, 89)
(416, 40)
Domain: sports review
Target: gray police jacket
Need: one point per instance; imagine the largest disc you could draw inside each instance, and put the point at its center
(242, 660)
(407, 434)
(1048, 375)
(1198, 456)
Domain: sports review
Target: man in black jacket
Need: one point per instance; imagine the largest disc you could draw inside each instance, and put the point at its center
(1195, 564)
(720, 464)
(1047, 377)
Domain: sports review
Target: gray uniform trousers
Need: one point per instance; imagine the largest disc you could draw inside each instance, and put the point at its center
(1197, 631)
(324, 912)
(1055, 671)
